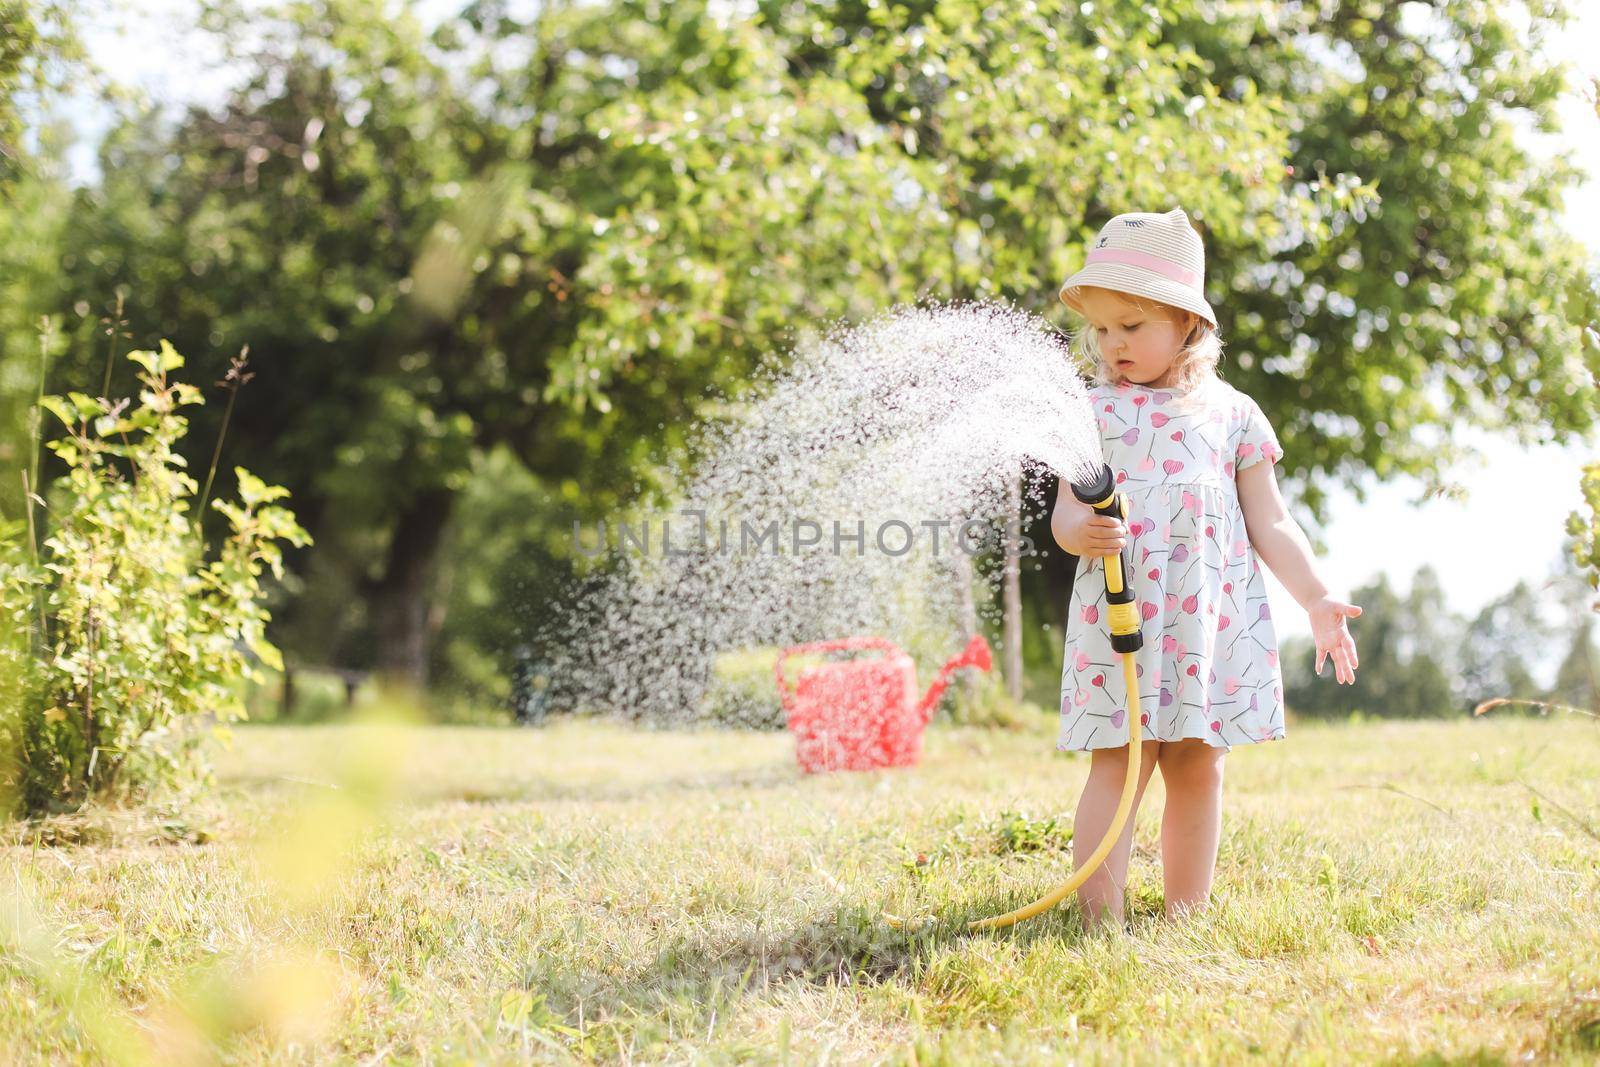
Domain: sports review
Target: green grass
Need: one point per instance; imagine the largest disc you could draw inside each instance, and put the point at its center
(1385, 894)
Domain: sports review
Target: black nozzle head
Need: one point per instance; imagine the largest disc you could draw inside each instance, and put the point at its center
(1095, 491)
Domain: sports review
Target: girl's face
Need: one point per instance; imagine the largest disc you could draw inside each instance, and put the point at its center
(1138, 341)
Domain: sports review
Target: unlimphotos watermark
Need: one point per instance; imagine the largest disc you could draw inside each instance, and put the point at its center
(892, 537)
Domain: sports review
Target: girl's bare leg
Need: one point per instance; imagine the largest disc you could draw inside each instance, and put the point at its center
(1191, 825)
(1101, 893)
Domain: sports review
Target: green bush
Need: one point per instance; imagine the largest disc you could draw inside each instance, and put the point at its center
(1585, 529)
(743, 691)
(1016, 831)
(985, 703)
(318, 696)
(124, 646)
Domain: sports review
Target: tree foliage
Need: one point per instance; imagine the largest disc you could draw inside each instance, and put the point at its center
(1420, 659)
(1583, 526)
(559, 237)
(1460, 299)
(41, 58)
(18, 38)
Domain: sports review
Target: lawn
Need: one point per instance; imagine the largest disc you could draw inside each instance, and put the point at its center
(1398, 893)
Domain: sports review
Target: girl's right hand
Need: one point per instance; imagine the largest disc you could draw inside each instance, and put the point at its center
(1078, 529)
(1097, 536)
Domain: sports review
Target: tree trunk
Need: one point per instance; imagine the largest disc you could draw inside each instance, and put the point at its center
(401, 599)
(1013, 588)
(961, 565)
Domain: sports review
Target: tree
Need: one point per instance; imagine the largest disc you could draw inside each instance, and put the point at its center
(556, 234)
(1418, 658)
(40, 56)
(1461, 282)
(1406, 671)
(19, 44)
(1584, 529)
(1577, 678)
(1430, 648)
(578, 281)
(1347, 245)
(1503, 645)
(1577, 681)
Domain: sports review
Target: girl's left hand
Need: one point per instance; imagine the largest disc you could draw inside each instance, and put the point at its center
(1333, 637)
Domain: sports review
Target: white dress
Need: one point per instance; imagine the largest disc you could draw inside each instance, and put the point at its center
(1209, 665)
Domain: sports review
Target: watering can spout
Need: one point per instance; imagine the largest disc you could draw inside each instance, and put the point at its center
(976, 654)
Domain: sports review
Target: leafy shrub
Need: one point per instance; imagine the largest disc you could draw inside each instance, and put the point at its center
(120, 638)
(1016, 831)
(743, 691)
(316, 696)
(985, 703)
(1585, 529)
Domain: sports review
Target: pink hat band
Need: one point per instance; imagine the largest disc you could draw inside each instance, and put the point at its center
(1134, 258)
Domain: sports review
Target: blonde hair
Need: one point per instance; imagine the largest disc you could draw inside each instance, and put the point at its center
(1193, 366)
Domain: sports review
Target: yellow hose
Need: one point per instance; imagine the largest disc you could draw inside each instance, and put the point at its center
(1130, 789)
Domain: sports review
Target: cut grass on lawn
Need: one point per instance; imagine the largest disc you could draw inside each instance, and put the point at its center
(1393, 892)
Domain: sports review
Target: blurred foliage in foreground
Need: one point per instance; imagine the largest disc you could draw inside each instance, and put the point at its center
(280, 986)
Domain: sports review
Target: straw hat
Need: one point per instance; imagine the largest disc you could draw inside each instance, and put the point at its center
(1160, 257)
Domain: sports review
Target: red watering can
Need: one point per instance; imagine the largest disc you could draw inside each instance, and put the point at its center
(864, 713)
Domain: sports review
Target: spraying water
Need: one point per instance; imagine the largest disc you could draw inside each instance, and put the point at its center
(862, 488)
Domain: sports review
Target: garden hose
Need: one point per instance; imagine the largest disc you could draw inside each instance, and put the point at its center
(1122, 614)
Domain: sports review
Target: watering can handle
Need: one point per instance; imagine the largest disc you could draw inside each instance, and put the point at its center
(837, 644)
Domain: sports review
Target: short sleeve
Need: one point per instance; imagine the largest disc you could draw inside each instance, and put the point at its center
(1256, 439)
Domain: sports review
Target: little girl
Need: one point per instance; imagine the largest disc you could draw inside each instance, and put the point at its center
(1187, 449)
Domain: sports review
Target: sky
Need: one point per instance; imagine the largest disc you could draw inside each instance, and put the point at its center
(1479, 546)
